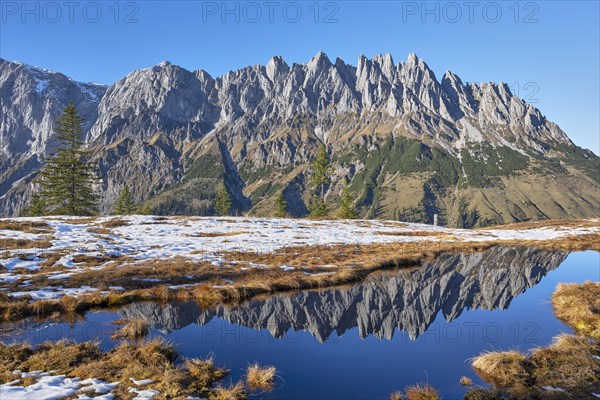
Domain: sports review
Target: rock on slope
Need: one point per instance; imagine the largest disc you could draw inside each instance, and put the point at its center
(410, 145)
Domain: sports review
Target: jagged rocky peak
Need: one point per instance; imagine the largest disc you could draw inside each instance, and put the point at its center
(276, 68)
(147, 100)
(319, 61)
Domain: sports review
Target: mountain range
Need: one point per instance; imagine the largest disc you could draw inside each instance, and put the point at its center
(409, 145)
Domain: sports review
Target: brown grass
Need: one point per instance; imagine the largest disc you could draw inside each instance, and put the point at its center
(421, 392)
(93, 261)
(578, 305)
(115, 223)
(153, 359)
(217, 234)
(26, 226)
(229, 392)
(397, 395)
(509, 370)
(134, 329)
(465, 381)
(61, 356)
(567, 243)
(20, 244)
(99, 230)
(567, 363)
(204, 373)
(12, 357)
(77, 221)
(484, 394)
(549, 223)
(260, 378)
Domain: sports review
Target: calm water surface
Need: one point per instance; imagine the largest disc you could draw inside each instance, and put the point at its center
(365, 341)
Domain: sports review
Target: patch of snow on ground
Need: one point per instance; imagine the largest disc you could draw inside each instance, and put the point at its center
(49, 293)
(142, 382)
(146, 394)
(553, 389)
(50, 387)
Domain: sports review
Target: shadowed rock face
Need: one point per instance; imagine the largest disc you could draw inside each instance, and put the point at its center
(408, 299)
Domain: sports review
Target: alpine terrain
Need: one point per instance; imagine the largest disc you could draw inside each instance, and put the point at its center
(408, 144)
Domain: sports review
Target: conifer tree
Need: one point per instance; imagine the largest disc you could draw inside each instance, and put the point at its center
(320, 177)
(67, 178)
(317, 207)
(36, 208)
(347, 208)
(223, 201)
(145, 209)
(125, 204)
(280, 206)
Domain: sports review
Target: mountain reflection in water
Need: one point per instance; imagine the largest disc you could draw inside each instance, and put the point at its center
(405, 299)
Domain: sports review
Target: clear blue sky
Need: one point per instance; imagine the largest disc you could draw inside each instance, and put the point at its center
(548, 50)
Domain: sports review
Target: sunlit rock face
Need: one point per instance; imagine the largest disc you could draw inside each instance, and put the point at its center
(408, 300)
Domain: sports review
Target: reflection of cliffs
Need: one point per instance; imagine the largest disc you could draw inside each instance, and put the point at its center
(405, 299)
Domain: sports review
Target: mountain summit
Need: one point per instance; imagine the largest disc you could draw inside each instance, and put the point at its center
(409, 145)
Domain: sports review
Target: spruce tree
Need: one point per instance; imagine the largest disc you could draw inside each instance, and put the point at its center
(223, 201)
(125, 204)
(37, 207)
(67, 178)
(320, 177)
(280, 206)
(317, 207)
(145, 209)
(347, 209)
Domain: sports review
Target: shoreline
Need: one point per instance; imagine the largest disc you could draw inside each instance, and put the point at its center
(56, 279)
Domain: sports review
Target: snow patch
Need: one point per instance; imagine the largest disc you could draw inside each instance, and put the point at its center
(51, 387)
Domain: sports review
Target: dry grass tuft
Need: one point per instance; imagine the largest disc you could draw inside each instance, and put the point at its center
(115, 223)
(578, 305)
(61, 356)
(204, 373)
(260, 378)
(567, 363)
(134, 329)
(484, 394)
(397, 395)
(21, 244)
(92, 261)
(206, 295)
(465, 381)
(11, 358)
(230, 392)
(421, 392)
(162, 293)
(505, 369)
